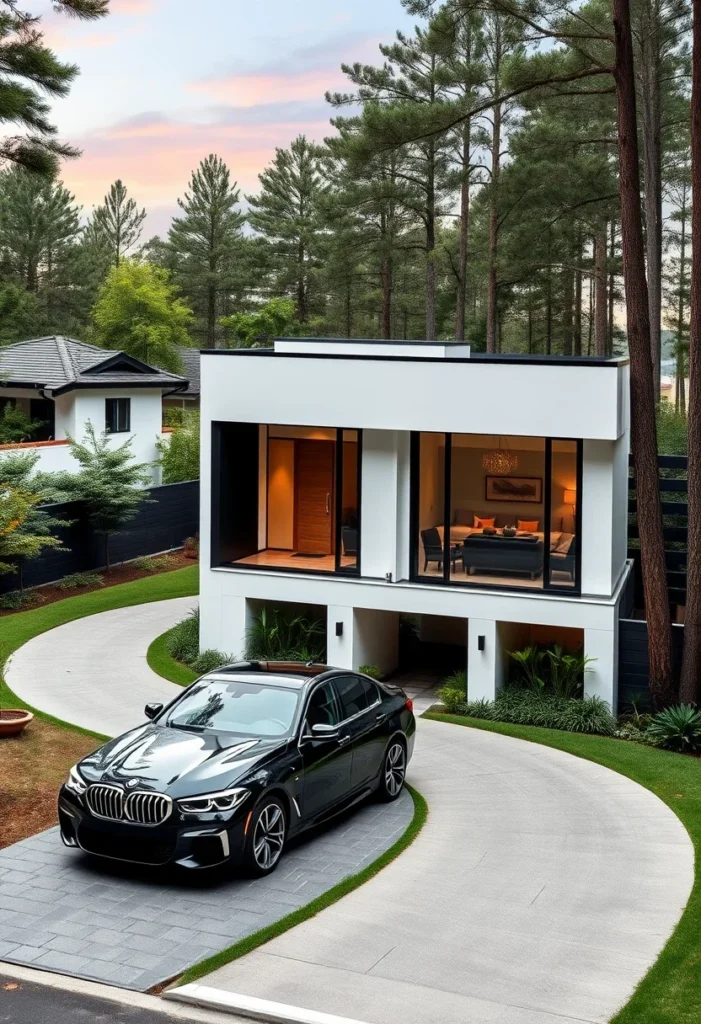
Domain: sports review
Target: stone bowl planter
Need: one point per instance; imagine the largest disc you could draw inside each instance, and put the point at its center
(14, 721)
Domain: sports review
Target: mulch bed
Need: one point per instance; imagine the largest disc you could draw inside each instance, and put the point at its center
(124, 573)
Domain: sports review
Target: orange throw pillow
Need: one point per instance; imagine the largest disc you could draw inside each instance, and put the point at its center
(529, 525)
(481, 523)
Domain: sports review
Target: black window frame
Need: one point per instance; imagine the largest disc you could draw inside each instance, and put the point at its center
(117, 406)
(347, 571)
(367, 685)
(574, 589)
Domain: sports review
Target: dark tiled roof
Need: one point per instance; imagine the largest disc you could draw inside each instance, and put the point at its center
(62, 364)
(190, 358)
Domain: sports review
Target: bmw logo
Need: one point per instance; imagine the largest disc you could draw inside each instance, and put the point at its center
(131, 783)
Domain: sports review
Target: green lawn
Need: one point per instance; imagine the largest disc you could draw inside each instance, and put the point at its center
(163, 665)
(671, 991)
(16, 630)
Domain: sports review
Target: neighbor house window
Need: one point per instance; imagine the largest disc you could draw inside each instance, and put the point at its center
(496, 511)
(117, 415)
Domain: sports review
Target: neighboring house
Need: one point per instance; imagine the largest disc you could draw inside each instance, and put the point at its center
(485, 495)
(64, 383)
(190, 397)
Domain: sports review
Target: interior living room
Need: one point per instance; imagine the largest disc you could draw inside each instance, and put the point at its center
(497, 510)
(303, 512)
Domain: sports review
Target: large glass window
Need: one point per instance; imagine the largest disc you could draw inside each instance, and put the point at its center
(289, 497)
(496, 510)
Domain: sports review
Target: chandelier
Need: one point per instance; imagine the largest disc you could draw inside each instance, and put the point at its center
(500, 461)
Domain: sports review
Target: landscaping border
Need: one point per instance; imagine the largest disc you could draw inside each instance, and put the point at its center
(160, 662)
(333, 895)
(670, 993)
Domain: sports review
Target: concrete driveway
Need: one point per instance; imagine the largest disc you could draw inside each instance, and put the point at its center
(540, 891)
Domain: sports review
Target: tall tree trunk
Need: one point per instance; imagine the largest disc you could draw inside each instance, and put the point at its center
(601, 305)
(530, 329)
(652, 164)
(211, 316)
(549, 314)
(493, 233)
(578, 299)
(681, 370)
(642, 387)
(386, 306)
(464, 234)
(691, 665)
(567, 311)
(431, 243)
(612, 289)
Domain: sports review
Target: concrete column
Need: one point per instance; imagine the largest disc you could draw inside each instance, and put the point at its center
(223, 623)
(597, 500)
(376, 639)
(482, 665)
(602, 678)
(339, 649)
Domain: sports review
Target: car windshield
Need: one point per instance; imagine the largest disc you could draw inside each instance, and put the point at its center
(247, 709)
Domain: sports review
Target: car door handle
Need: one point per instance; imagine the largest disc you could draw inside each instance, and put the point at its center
(342, 740)
(381, 717)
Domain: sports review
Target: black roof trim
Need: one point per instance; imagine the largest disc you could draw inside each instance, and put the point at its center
(99, 385)
(481, 357)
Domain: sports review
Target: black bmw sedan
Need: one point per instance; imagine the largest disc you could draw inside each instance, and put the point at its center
(247, 757)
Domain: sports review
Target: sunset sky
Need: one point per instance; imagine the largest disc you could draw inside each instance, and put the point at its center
(165, 82)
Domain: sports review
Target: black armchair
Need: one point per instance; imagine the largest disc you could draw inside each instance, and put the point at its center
(349, 539)
(433, 549)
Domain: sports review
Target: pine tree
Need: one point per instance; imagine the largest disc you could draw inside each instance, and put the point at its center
(286, 213)
(207, 246)
(110, 483)
(26, 63)
(119, 221)
(39, 225)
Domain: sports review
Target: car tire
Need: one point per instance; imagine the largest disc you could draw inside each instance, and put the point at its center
(393, 771)
(265, 840)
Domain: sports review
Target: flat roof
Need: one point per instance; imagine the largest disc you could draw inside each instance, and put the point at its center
(373, 351)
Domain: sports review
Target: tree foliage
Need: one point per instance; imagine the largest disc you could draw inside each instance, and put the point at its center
(36, 530)
(180, 453)
(140, 312)
(118, 222)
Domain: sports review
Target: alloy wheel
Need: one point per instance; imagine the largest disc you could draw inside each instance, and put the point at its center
(395, 769)
(269, 836)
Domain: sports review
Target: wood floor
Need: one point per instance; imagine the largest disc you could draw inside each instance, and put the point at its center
(277, 559)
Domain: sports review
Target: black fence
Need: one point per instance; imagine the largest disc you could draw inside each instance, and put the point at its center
(634, 664)
(673, 492)
(162, 523)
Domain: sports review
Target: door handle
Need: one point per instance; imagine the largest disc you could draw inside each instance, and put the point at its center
(381, 717)
(343, 740)
(328, 504)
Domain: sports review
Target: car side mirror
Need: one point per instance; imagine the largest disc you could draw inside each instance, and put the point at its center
(324, 732)
(153, 710)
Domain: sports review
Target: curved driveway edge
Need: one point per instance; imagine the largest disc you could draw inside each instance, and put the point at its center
(540, 891)
(92, 672)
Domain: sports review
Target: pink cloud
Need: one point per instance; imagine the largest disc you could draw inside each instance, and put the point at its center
(132, 6)
(155, 156)
(254, 89)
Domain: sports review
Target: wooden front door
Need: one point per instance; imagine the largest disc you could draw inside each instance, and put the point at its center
(314, 497)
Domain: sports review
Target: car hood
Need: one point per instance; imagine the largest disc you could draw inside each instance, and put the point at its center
(177, 761)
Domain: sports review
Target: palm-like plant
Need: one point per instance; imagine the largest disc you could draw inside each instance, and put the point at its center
(276, 635)
(530, 661)
(677, 728)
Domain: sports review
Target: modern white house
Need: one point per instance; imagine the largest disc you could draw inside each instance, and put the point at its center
(63, 383)
(485, 496)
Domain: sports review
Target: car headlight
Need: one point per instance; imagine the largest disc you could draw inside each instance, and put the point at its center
(75, 782)
(226, 800)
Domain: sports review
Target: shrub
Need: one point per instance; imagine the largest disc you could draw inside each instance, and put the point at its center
(15, 599)
(180, 451)
(209, 660)
(452, 699)
(677, 728)
(183, 641)
(530, 663)
(81, 579)
(371, 670)
(551, 670)
(277, 635)
(154, 563)
(524, 707)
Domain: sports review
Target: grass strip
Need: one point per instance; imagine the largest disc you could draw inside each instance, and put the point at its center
(670, 993)
(160, 662)
(326, 899)
(16, 630)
